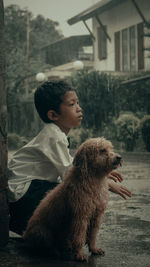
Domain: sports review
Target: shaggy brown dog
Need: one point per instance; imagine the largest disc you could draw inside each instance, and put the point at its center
(70, 215)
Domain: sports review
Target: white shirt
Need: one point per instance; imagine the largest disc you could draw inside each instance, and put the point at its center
(45, 157)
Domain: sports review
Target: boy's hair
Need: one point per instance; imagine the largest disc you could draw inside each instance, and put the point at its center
(49, 96)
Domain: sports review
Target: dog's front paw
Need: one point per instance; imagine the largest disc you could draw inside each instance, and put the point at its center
(97, 251)
(80, 257)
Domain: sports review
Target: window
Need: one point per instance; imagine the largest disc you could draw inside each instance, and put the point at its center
(125, 50)
(117, 51)
(132, 45)
(102, 43)
(129, 55)
(140, 32)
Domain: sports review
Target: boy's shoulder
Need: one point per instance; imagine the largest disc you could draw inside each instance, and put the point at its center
(49, 137)
(53, 132)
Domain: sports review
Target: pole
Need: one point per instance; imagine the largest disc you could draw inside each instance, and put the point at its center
(4, 213)
(27, 53)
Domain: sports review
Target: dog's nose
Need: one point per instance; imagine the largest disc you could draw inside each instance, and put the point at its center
(118, 158)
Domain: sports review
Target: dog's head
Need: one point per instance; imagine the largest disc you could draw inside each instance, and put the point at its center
(96, 156)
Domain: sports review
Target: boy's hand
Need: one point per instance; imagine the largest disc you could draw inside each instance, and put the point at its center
(116, 176)
(119, 189)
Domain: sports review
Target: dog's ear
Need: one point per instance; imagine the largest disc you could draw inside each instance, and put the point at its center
(80, 161)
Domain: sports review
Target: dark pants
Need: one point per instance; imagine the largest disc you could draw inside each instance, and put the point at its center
(22, 210)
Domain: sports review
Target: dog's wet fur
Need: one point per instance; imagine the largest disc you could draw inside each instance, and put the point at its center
(70, 215)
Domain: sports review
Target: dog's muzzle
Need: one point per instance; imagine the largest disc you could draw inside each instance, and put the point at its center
(118, 161)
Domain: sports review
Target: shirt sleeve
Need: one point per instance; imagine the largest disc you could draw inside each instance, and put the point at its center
(58, 153)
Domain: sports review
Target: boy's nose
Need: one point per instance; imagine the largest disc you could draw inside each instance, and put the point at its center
(79, 108)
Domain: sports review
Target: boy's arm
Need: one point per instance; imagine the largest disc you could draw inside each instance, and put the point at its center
(119, 189)
(116, 176)
(59, 156)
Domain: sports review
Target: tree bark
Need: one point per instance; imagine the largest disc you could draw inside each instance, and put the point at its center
(4, 213)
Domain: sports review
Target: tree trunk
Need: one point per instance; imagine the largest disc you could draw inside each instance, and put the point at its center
(4, 214)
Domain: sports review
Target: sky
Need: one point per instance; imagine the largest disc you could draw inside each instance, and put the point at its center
(58, 10)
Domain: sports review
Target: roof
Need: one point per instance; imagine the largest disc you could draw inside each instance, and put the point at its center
(96, 9)
(138, 79)
(65, 50)
(83, 39)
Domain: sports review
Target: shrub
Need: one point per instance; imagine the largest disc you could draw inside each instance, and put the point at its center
(97, 97)
(145, 129)
(78, 136)
(128, 129)
(75, 139)
(15, 141)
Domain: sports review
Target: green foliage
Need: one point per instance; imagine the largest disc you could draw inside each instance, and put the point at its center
(128, 129)
(135, 96)
(145, 128)
(42, 32)
(97, 96)
(15, 28)
(103, 98)
(78, 136)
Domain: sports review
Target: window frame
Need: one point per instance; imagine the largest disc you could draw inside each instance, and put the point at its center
(102, 43)
(139, 51)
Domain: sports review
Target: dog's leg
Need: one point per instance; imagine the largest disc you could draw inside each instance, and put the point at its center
(77, 239)
(92, 233)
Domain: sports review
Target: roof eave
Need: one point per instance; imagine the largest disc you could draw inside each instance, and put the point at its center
(91, 12)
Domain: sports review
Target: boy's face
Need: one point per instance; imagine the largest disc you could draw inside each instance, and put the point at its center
(70, 112)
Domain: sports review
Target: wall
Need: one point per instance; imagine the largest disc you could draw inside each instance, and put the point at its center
(120, 17)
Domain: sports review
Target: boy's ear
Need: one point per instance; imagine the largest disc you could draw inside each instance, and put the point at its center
(52, 115)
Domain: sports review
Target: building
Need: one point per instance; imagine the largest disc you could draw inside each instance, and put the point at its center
(62, 54)
(121, 34)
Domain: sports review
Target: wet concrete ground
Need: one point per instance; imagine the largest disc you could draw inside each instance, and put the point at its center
(124, 234)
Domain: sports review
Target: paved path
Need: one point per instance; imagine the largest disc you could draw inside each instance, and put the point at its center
(125, 232)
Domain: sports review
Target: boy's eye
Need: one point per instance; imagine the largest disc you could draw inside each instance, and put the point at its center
(74, 103)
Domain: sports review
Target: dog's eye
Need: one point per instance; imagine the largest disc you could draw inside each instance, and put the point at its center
(103, 150)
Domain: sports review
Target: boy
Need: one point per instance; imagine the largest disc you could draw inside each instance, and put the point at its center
(41, 164)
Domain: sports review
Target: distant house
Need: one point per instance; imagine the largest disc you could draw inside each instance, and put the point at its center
(62, 54)
(67, 50)
(121, 34)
